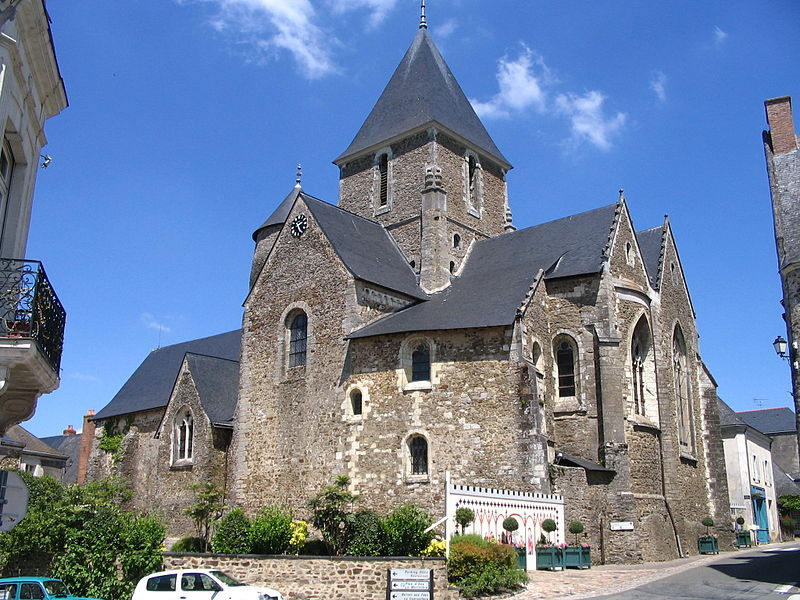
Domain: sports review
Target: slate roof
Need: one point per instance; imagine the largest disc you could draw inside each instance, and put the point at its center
(217, 383)
(32, 443)
(279, 215)
(507, 265)
(650, 243)
(784, 482)
(150, 385)
(71, 446)
(728, 417)
(569, 460)
(367, 250)
(770, 420)
(422, 90)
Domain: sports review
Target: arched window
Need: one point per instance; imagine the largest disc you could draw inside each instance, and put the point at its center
(565, 350)
(383, 174)
(421, 363)
(643, 372)
(638, 352)
(356, 402)
(183, 437)
(452, 267)
(418, 453)
(456, 240)
(298, 339)
(472, 176)
(681, 385)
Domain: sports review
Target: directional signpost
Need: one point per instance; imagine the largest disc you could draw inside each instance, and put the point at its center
(410, 584)
(13, 500)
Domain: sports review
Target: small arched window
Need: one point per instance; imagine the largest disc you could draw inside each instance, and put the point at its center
(356, 402)
(421, 363)
(565, 351)
(452, 267)
(183, 437)
(383, 174)
(298, 339)
(472, 179)
(629, 253)
(456, 240)
(418, 453)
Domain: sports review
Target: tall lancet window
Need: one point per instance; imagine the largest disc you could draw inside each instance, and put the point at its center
(383, 174)
(682, 395)
(566, 365)
(298, 340)
(183, 437)
(637, 359)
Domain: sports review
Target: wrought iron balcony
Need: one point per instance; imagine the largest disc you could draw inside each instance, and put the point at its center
(29, 308)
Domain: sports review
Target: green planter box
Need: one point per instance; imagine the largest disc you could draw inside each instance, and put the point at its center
(522, 558)
(549, 557)
(743, 539)
(707, 545)
(578, 556)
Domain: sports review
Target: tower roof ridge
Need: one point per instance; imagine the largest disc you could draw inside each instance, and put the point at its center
(422, 90)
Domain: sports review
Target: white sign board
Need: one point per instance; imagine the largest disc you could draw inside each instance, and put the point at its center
(621, 526)
(417, 574)
(13, 500)
(411, 585)
(409, 596)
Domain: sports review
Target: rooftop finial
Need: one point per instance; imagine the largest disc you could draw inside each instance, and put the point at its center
(299, 176)
(423, 23)
(622, 195)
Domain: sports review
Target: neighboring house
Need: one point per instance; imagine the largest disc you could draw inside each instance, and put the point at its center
(783, 170)
(74, 445)
(779, 424)
(23, 450)
(412, 331)
(31, 316)
(750, 470)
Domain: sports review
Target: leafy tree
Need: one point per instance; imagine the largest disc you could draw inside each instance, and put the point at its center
(93, 544)
(367, 536)
(332, 513)
(405, 530)
(232, 535)
(788, 503)
(205, 511)
(464, 516)
(576, 528)
(271, 531)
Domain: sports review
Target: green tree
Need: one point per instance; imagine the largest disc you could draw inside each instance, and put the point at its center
(406, 531)
(332, 510)
(205, 511)
(464, 516)
(367, 536)
(576, 528)
(788, 503)
(549, 526)
(271, 531)
(232, 534)
(510, 524)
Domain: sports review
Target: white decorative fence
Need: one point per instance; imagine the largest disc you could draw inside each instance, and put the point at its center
(492, 506)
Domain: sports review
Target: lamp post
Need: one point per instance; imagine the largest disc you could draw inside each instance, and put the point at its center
(789, 354)
(780, 346)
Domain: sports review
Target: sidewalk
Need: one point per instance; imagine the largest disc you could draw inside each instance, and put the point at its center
(612, 579)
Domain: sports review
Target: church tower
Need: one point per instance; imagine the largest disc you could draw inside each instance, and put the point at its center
(783, 167)
(424, 167)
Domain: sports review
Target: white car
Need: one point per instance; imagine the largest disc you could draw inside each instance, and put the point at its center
(198, 584)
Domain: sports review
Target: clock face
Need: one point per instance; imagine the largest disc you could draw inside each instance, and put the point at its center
(299, 225)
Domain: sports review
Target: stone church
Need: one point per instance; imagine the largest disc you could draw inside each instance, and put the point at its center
(412, 331)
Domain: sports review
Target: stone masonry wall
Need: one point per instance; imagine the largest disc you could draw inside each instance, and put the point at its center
(317, 578)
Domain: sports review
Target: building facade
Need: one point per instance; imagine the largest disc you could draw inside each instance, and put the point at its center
(412, 332)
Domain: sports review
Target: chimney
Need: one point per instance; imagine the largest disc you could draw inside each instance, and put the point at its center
(781, 125)
(87, 437)
(70, 430)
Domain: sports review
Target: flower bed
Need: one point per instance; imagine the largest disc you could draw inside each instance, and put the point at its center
(578, 556)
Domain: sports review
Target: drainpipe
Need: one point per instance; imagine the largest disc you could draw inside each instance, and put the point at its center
(664, 493)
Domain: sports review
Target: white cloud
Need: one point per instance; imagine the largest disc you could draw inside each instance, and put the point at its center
(588, 121)
(719, 36)
(521, 87)
(379, 8)
(446, 29)
(83, 377)
(659, 86)
(266, 27)
(150, 322)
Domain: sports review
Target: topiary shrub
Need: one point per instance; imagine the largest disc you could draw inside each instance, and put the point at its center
(708, 522)
(576, 528)
(480, 567)
(188, 544)
(368, 536)
(271, 531)
(232, 534)
(405, 531)
(549, 526)
(464, 516)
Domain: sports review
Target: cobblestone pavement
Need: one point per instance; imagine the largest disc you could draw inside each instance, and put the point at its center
(609, 579)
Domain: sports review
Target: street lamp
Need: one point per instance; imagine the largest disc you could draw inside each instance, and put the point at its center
(780, 346)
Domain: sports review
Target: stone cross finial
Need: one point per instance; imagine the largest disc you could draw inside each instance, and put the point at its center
(423, 22)
(622, 195)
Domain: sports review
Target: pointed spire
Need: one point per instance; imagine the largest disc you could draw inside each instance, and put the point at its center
(423, 22)
(622, 195)
(299, 177)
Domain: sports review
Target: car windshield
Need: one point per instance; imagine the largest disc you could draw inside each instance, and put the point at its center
(55, 587)
(226, 579)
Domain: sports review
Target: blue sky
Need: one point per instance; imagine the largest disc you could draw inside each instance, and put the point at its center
(187, 119)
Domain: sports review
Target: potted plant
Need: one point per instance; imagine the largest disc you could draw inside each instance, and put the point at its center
(707, 544)
(577, 555)
(548, 555)
(510, 524)
(464, 516)
(743, 539)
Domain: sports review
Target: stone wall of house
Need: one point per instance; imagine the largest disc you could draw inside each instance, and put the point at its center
(784, 451)
(317, 578)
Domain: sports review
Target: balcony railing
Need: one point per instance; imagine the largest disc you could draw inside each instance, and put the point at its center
(29, 307)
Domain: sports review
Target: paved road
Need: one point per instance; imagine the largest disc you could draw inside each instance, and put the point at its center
(771, 573)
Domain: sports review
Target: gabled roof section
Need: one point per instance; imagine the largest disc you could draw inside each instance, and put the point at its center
(507, 265)
(280, 214)
(421, 91)
(366, 248)
(727, 416)
(651, 243)
(770, 420)
(217, 383)
(33, 445)
(151, 384)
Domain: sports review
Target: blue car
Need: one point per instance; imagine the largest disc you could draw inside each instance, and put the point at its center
(35, 588)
